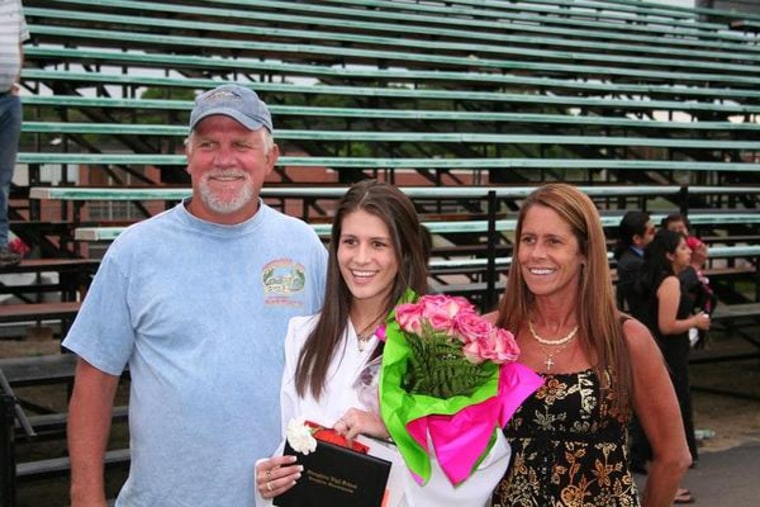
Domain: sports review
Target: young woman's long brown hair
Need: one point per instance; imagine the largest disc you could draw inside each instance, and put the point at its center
(397, 212)
(597, 316)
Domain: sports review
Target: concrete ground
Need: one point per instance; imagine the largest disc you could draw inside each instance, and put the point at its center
(727, 403)
(729, 478)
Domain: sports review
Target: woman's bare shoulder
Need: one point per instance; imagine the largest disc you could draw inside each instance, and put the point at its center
(639, 339)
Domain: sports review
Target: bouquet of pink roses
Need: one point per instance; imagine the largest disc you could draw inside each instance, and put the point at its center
(453, 349)
(449, 378)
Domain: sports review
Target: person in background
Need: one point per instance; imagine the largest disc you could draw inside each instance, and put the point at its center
(196, 301)
(675, 222)
(694, 282)
(636, 232)
(669, 316)
(13, 33)
(568, 439)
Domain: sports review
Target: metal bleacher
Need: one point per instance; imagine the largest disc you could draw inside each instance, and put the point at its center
(459, 93)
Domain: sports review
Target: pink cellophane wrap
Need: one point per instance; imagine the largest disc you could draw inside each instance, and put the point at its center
(461, 439)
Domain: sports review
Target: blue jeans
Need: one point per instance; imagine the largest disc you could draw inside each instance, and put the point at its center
(10, 131)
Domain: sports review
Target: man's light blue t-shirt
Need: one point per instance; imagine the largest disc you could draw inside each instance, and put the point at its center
(199, 311)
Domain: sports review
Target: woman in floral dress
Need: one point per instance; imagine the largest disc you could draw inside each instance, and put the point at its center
(568, 440)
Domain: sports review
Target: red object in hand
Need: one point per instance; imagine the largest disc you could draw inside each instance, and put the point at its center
(331, 436)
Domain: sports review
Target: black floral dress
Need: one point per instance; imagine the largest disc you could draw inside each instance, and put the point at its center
(569, 448)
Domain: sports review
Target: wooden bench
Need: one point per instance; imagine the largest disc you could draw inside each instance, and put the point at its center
(35, 371)
(75, 78)
(370, 163)
(427, 22)
(342, 136)
(746, 25)
(38, 370)
(414, 192)
(59, 311)
(738, 320)
(73, 278)
(434, 194)
(695, 71)
(683, 68)
(646, 18)
(54, 424)
(78, 102)
(608, 64)
(477, 226)
(57, 466)
(655, 104)
(731, 314)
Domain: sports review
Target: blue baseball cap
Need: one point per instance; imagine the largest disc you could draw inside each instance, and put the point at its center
(238, 102)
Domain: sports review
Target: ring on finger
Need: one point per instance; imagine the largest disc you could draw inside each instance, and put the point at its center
(269, 474)
(269, 486)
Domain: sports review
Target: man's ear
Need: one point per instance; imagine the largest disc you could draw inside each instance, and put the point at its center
(272, 157)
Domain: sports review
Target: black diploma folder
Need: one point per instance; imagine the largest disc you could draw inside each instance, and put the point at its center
(335, 476)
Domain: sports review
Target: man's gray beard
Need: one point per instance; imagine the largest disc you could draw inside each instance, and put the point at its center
(226, 206)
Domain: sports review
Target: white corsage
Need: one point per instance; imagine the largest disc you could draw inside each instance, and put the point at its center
(300, 436)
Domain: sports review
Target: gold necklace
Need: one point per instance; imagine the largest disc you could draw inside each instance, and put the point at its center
(549, 362)
(552, 343)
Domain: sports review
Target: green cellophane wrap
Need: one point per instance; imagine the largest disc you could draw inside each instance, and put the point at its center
(402, 395)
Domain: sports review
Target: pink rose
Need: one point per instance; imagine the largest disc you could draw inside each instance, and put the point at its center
(440, 311)
(472, 352)
(439, 320)
(508, 343)
(471, 326)
(502, 346)
(450, 305)
(409, 318)
(499, 346)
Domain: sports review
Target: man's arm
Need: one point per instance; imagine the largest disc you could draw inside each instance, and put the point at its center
(88, 429)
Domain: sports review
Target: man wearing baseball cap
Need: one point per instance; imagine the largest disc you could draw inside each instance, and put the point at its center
(195, 301)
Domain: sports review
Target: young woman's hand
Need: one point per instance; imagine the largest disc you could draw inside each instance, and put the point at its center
(702, 321)
(355, 422)
(277, 475)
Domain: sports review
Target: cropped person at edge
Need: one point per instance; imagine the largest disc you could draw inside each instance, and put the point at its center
(13, 33)
(196, 301)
